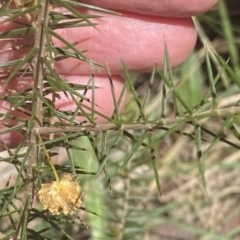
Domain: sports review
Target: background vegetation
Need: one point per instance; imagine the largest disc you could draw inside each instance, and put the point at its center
(180, 138)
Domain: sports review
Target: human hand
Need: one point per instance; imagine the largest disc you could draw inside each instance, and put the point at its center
(138, 36)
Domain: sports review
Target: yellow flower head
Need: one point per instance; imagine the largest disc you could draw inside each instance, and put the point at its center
(61, 197)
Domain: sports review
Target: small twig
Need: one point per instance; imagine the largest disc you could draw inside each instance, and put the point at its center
(99, 128)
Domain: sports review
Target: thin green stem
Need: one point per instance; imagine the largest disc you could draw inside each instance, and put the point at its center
(48, 158)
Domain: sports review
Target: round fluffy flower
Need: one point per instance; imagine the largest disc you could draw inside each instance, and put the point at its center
(61, 197)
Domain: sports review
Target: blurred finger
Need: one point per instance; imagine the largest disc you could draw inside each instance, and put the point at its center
(170, 8)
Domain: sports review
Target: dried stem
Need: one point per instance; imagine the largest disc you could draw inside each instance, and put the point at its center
(38, 68)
